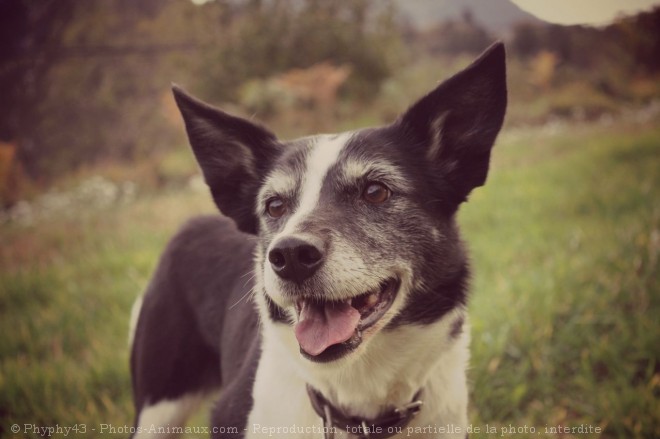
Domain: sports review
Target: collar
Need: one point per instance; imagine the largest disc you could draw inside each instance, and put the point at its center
(384, 426)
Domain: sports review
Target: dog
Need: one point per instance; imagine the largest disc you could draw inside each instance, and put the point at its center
(330, 299)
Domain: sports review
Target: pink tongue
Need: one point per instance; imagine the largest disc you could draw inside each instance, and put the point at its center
(321, 326)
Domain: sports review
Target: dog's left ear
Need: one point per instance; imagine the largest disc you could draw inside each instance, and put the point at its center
(456, 124)
(234, 155)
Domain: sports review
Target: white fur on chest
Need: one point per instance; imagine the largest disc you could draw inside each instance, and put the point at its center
(393, 368)
(280, 397)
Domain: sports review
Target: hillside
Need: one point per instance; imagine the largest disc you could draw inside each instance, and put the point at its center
(495, 15)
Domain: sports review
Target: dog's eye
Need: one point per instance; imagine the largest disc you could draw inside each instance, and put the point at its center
(376, 193)
(275, 207)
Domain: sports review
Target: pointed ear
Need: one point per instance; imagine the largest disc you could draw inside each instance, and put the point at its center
(456, 124)
(233, 153)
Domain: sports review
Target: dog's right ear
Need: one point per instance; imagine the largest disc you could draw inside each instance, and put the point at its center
(233, 153)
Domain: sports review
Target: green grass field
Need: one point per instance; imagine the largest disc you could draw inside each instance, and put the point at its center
(565, 307)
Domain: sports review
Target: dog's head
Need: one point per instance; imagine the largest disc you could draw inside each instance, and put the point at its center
(356, 230)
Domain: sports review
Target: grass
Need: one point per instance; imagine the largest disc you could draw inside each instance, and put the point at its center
(565, 310)
(66, 288)
(565, 239)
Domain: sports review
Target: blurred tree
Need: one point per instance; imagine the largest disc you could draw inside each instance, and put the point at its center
(602, 58)
(528, 39)
(30, 46)
(267, 38)
(641, 34)
(83, 81)
(456, 37)
(633, 43)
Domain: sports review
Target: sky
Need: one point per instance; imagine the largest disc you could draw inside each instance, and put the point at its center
(596, 12)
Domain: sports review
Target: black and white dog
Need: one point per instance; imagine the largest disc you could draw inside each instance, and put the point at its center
(335, 294)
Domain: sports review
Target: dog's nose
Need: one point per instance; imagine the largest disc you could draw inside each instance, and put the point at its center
(295, 259)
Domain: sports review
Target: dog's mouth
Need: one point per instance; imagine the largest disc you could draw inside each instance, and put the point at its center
(327, 330)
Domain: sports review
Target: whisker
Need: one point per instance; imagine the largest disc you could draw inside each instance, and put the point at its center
(250, 291)
(249, 279)
(249, 272)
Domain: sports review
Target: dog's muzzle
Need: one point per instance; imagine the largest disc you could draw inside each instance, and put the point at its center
(326, 328)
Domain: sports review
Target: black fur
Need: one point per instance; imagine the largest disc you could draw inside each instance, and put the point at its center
(192, 306)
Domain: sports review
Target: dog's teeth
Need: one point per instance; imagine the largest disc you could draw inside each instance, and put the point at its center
(372, 299)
